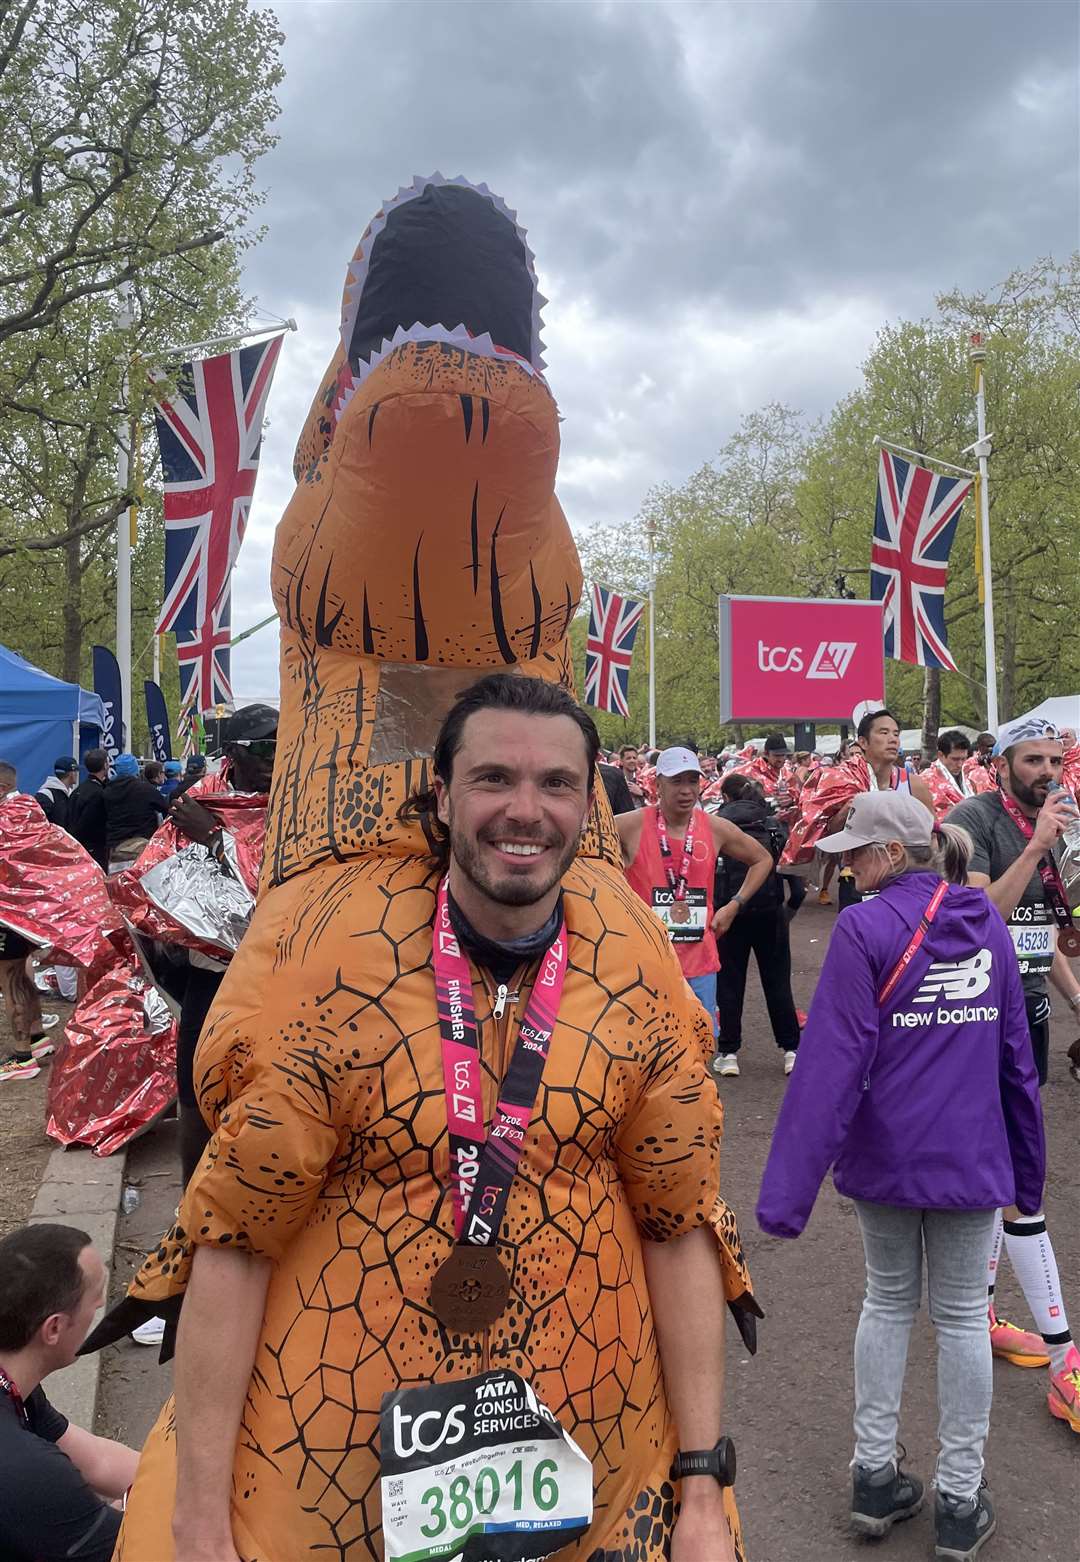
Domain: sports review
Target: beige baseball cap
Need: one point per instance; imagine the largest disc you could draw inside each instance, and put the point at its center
(877, 817)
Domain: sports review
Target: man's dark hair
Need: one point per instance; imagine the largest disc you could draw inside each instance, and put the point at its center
(628, 748)
(9, 776)
(154, 772)
(96, 761)
(954, 738)
(866, 726)
(776, 743)
(498, 691)
(39, 1276)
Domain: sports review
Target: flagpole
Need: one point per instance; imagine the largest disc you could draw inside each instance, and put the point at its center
(233, 336)
(124, 321)
(918, 455)
(652, 637)
(981, 450)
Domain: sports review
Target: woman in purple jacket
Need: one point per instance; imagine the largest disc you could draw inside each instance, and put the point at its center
(916, 1083)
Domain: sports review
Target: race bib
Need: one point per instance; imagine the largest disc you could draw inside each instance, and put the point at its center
(684, 919)
(1034, 936)
(480, 1470)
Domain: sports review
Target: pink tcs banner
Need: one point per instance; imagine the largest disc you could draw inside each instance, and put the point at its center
(790, 659)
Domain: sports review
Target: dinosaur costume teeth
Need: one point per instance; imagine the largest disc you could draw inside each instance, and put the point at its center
(424, 546)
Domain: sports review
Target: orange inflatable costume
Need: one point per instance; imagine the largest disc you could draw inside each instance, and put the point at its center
(424, 546)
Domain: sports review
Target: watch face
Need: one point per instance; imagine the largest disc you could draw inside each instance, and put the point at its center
(725, 1449)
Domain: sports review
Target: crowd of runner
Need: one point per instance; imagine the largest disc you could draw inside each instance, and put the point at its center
(915, 1075)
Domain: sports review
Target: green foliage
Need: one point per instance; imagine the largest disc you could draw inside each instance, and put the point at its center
(787, 509)
(129, 134)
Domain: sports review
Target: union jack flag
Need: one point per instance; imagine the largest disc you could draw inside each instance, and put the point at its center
(915, 522)
(210, 434)
(613, 624)
(203, 655)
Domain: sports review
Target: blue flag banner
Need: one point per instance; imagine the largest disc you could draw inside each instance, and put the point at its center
(157, 719)
(107, 688)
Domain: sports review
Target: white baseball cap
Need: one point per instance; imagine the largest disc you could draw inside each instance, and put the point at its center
(677, 761)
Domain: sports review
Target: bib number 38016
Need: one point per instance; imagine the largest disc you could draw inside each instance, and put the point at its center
(479, 1470)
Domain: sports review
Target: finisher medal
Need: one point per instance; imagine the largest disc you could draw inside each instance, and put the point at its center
(1069, 942)
(470, 1290)
(679, 911)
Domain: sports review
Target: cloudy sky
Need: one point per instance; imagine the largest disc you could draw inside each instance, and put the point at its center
(726, 200)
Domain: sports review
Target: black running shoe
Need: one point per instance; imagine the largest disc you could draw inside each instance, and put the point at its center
(882, 1498)
(963, 1525)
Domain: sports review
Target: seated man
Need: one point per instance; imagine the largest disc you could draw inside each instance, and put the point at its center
(58, 1478)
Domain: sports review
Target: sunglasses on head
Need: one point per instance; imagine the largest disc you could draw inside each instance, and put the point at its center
(258, 748)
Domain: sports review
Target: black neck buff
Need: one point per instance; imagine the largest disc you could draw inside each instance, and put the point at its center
(502, 959)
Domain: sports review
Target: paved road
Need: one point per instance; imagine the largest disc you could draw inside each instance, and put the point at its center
(790, 1407)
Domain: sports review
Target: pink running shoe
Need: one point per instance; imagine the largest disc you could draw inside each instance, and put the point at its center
(1019, 1346)
(1063, 1399)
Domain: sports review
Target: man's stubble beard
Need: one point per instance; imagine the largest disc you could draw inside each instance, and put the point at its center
(465, 852)
(1024, 793)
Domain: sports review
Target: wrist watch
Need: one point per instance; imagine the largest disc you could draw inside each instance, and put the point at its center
(739, 901)
(719, 1462)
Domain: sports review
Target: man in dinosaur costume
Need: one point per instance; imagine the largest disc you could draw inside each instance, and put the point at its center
(423, 548)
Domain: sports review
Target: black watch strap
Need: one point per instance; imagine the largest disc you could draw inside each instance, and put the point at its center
(719, 1462)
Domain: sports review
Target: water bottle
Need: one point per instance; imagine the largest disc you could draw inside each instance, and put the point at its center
(1069, 857)
(130, 1199)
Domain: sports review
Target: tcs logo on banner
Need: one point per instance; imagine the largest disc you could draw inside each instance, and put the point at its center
(831, 659)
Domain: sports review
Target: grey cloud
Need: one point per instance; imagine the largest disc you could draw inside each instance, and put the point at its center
(725, 200)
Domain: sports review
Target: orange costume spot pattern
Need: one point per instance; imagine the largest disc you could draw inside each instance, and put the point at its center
(423, 547)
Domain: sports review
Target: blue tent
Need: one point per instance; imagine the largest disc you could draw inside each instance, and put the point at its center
(42, 718)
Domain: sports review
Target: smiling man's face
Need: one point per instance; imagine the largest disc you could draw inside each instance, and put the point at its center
(515, 807)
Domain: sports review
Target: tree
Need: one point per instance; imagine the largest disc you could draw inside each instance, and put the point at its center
(129, 134)
(788, 510)
(733, 528)
(129, 130)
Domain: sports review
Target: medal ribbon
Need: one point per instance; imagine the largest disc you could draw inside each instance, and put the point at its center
(482, 1166)
(1049, 871)
(9, 1388)
(676, 885)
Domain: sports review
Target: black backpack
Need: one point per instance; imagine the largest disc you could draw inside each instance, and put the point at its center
(754, 820)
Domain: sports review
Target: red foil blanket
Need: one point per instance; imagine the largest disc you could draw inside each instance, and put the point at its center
(838, 785)
(115, 1071)
(51, 890)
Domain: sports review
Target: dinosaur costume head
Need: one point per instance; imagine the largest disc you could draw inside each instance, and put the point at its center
(424, 544)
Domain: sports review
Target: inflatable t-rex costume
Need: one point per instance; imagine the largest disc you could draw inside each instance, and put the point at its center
(423, 547)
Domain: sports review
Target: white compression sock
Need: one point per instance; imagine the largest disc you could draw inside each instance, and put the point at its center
(995, 1254)
(1031, 1254)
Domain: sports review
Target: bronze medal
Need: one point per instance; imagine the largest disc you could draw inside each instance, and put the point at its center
(680, 911)
(470, 1290)
(1069, 942)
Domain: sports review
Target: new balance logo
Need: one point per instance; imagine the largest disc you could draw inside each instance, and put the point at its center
(950, 979)
(831, 659)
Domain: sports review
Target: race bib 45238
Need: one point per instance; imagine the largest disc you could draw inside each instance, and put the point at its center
(480, 1470)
